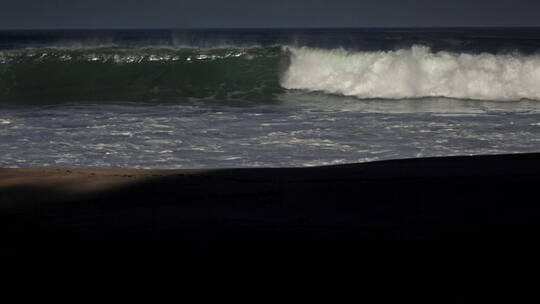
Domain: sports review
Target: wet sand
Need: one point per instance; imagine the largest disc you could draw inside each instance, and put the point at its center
(452, 202)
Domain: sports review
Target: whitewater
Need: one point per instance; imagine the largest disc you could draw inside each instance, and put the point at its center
(415, 73)
(265, 98)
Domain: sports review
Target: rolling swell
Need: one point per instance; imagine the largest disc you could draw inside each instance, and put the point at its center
(53, 75)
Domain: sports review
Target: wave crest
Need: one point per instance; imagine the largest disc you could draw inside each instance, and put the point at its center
(50, 75)
(414, 73)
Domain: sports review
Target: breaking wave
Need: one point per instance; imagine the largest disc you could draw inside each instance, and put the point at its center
(416, 72)
(258, 74)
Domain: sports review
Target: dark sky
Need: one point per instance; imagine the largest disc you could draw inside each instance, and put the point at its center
(25, 14)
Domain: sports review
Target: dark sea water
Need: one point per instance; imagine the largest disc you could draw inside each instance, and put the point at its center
(283, 97)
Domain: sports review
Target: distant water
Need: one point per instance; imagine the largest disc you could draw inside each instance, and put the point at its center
(247, 98)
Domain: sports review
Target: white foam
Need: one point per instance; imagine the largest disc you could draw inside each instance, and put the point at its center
(414, 73)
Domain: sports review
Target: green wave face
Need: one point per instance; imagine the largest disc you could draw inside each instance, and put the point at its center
(54, 75)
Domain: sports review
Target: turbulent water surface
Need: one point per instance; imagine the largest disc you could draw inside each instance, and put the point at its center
(245, 98)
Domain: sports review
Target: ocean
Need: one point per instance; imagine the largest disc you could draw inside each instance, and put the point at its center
(220, 98)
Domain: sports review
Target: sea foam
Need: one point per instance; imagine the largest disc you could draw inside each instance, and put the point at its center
(416, 72)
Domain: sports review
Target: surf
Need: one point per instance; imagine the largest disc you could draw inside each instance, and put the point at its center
(415, 72)
(260, 74)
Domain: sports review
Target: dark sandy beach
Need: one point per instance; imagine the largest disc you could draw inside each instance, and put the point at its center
(477, 201)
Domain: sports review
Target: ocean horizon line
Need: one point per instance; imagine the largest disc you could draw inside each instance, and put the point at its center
(271, 28)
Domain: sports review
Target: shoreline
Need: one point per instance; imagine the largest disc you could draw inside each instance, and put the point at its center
(464, 201)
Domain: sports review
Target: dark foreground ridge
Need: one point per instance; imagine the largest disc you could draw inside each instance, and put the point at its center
(477, 201)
